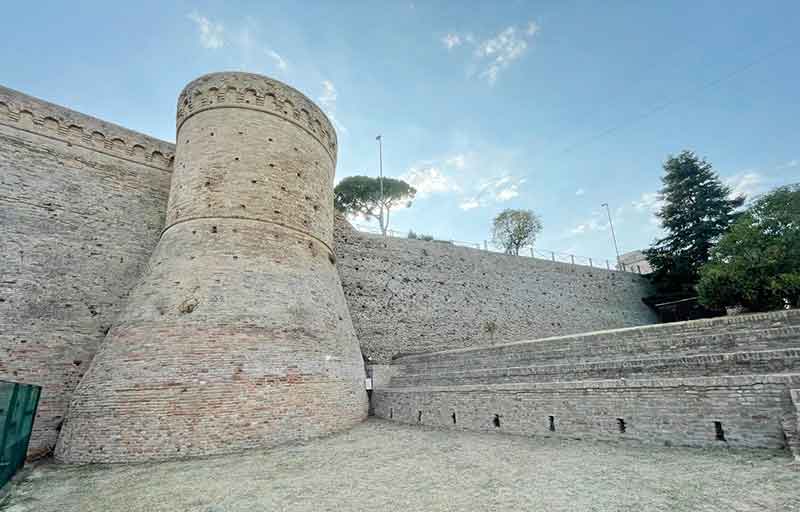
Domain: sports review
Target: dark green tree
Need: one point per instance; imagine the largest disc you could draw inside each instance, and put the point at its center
(514, 229)
(362, 195)
(756, 264)
(697, 209)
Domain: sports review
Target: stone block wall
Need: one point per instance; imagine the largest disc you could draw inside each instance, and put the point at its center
(719, 382)
(417, 296)
(82, 203)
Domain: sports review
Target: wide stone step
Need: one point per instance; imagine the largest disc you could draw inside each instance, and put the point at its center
(705, 365)
(584, 349)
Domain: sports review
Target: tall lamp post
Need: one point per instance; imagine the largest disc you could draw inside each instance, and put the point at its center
(613, 236)
(379, 138)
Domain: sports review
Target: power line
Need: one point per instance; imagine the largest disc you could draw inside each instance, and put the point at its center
(663, 106)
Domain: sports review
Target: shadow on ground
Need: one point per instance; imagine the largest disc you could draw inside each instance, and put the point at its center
(385, 466)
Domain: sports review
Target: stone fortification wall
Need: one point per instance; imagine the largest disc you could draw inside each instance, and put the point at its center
(82, 203)
(416, 296)
(238, 335)
(725, 381)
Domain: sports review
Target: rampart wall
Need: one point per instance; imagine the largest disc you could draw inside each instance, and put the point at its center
(730, 381)
(82, 203)
(419, 296)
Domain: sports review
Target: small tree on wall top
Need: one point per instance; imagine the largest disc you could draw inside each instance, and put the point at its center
(361, 195)
(514, 229)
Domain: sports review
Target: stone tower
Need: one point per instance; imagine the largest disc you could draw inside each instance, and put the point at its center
(238, 334)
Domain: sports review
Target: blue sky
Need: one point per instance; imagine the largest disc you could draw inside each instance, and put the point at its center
(556, 106)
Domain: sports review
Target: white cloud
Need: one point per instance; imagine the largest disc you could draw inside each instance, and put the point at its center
(580, 192)
(469, 204)
(429, 180)
(457, 161)
(211, 34)
(279, 61)
(499, 189)
(496, 53)
(789, 164)
(450, 41)
(593, 224)
(747, 183)
(650, 203)
(328, 103)
(503, 49)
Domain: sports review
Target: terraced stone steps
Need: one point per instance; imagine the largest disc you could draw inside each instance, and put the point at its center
(702, 365)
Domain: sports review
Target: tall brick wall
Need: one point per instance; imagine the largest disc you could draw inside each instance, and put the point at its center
(238, 334)
(413, 295)
(82, 203)
(669, 383)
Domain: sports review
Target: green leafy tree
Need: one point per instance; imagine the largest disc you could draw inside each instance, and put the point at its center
(756, 264)
(697, 209)
(514, 229)
(361, 195)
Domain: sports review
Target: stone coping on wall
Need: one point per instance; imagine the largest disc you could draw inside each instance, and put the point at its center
(665, 330)
(727, 381)
(33, 115)
(708, 363)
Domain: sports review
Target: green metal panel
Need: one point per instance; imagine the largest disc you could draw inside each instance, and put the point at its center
(17, 410)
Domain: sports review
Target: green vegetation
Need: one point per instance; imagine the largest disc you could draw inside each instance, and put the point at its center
(361, 195)
(756, 264)
(697, 211)
(514, 229)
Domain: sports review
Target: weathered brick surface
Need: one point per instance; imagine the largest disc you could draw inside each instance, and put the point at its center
(68, 257)
(238, 334)
(412, 295)
(667, 383)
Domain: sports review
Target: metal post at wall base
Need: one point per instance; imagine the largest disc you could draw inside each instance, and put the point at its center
(590, 262)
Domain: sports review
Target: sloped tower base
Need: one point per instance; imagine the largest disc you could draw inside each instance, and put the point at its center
(238, 335)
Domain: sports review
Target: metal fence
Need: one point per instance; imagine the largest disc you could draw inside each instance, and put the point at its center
(529, 252)
(17, 409)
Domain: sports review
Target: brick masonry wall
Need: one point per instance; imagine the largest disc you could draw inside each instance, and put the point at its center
(83, 201)
(754, 411)
(69, 254)
(665, 383)
(412, 295)
(238, 335)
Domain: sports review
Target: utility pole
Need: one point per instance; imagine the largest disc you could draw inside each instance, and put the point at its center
(613, 236)
(379, 138)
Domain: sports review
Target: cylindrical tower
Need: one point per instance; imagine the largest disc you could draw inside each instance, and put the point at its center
(238, 334)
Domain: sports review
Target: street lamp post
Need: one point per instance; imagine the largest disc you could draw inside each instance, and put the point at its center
(379, 138)
(613, 236)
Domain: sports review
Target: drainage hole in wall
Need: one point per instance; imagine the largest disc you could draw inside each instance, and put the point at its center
(621, 425)
(213, 229)
(719, 431)
(551, 423)
(496, 421)
(419, 416)
(454, 417)
(391, 413)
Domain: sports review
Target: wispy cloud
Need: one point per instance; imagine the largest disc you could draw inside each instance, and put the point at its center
(327, 101)
(494, 54)
(450, 41)
(457, 161)
(747, 183)
(280, 62)
(580, 192)
(494, 190)
(211, 34)
(501, 51)
(429, 180)
(649, 203)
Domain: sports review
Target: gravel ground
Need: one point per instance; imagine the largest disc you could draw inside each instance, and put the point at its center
(385, 466)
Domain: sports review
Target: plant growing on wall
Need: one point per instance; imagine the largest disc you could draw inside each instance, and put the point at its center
(697, 210)
(514, 229)
(756, 264)
(372, 197)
